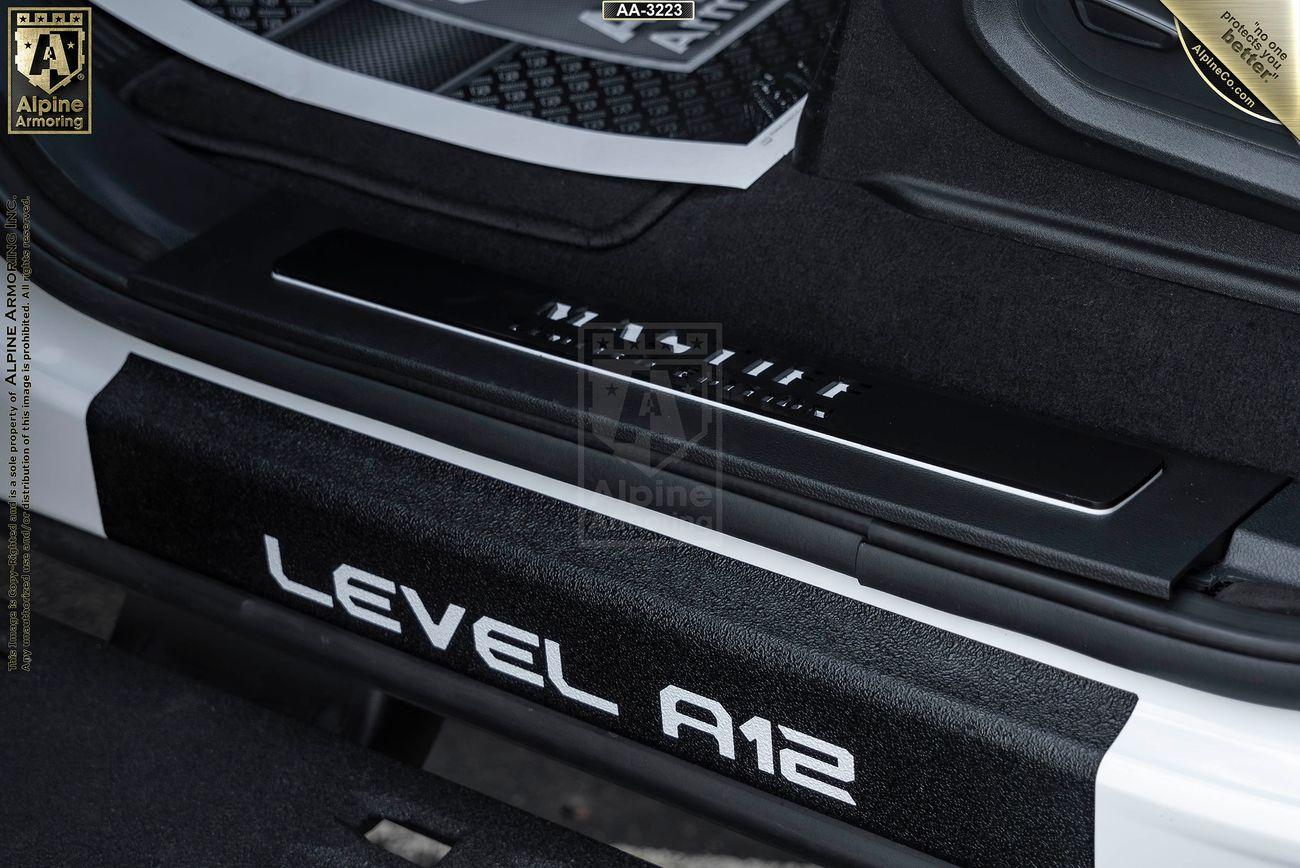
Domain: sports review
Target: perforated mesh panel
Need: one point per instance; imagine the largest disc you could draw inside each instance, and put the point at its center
(379, 41)
(259, 16)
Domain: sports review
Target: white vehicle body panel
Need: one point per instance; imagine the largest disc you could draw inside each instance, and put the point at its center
(1193, 779)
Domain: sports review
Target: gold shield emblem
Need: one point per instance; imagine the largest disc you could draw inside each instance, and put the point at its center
(50, 48)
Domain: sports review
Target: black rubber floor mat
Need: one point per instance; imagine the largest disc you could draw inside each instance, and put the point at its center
(212, 112)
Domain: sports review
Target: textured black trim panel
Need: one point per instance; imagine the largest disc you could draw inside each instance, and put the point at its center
(426, 685)
(962, 750)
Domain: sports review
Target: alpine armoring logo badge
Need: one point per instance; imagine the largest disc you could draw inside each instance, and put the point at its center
(636, 410)
(49, 79)
(648, 398)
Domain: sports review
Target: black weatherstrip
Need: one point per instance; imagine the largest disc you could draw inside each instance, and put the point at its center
(958, 749)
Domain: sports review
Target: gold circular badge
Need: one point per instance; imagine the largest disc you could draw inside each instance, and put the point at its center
(1215, 73)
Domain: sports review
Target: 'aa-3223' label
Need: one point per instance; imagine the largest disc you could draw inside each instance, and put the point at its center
(659, 35)
(770, 746)
(623, 10)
